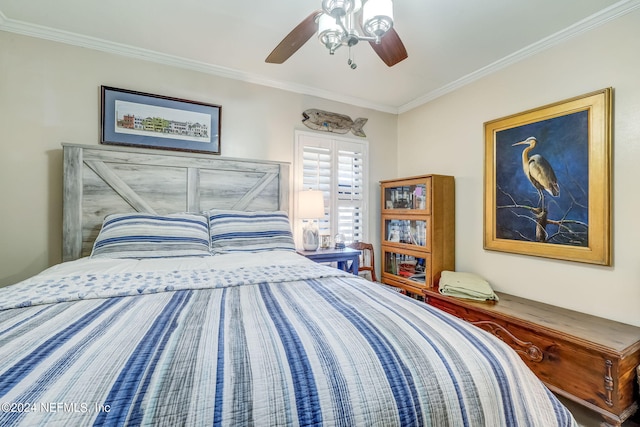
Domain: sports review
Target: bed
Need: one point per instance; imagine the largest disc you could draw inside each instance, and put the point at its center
(205, 315)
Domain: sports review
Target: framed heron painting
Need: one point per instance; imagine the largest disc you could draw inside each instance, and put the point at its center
(548, 181)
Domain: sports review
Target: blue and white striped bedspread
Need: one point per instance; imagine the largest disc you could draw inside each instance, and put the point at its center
(289, 345)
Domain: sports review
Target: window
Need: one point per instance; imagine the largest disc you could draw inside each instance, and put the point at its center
(338, 167)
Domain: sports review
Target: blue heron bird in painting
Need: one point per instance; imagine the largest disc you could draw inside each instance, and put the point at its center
(538, 171)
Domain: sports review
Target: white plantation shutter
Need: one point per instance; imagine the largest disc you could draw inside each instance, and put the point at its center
(337, 167)
(316, 175)
(350, 190)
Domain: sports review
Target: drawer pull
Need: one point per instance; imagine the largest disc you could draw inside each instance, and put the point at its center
(524, 348)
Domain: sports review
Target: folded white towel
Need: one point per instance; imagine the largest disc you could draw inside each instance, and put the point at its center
(466, 285)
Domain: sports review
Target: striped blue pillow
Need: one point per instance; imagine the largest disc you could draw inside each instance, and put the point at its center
(239, 231)
(142, 235)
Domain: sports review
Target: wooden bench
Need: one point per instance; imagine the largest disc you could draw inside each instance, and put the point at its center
(587, 359)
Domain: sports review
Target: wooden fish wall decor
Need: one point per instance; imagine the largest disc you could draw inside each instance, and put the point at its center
(332, 122)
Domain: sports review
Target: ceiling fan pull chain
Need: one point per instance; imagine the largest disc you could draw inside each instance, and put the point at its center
(351, 62)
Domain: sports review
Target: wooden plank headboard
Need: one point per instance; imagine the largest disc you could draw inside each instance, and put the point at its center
(99, 180)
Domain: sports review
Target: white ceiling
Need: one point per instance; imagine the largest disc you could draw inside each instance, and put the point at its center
(450, 42)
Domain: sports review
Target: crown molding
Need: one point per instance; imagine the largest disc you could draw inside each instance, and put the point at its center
(604, 16)
(94, 43)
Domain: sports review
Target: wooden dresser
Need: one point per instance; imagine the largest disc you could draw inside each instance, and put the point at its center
(587, 359)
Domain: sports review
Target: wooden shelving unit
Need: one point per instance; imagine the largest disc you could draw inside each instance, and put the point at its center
(418, 231)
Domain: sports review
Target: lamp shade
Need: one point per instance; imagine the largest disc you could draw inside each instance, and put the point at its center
(373, 8)
(329, 32)
(377, 17)
(311, 204)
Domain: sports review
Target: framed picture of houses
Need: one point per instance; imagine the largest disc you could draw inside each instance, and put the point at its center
(548, 181)
(154, 121)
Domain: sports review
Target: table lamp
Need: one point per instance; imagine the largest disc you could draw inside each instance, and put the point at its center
(310, 209)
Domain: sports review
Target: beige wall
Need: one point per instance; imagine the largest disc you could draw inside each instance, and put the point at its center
(446, 136)
(50, 93)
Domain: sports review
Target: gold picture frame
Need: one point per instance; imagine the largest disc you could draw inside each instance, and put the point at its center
(547, 183)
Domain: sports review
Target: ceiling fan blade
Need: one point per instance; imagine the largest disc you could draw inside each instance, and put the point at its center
(294, 40)
(391, 49)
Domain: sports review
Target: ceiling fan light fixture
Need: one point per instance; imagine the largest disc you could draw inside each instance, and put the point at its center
(338, 8)
(377, 18)
(330, 33)
(346, 23)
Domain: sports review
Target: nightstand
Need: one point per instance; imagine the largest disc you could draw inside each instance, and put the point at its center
(341, 256)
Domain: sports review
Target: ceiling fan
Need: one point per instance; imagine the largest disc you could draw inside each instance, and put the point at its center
(338, 24)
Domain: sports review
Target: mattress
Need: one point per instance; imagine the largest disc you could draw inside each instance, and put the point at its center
(269, 339)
